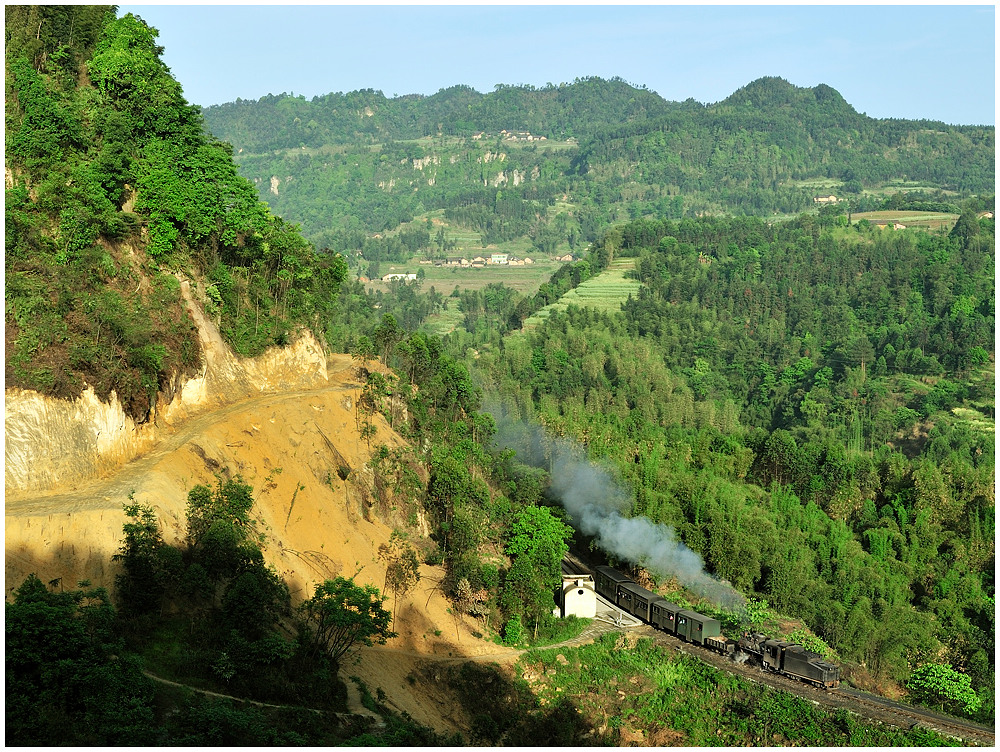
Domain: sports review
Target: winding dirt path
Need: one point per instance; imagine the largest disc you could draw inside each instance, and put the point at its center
(354, 705)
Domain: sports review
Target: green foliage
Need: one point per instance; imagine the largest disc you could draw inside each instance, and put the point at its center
(649, 689)
(402, 572)
(229, 506)
(148, 566)
(67, 678)
(776, 422)
(118, 163)
(512, 630)
(942, 686)
(341, 614)
(553, 629)
(55, 39)
(759, 615)
(537, 545)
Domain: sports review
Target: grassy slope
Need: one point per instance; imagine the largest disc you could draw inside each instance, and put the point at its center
(605, 292)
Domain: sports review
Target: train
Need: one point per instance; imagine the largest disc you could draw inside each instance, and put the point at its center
(777, 656)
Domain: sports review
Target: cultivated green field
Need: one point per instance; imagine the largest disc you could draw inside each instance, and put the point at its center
(440, 324)
(605, 292)
(916, 219)
(468, 244)
(525, 279)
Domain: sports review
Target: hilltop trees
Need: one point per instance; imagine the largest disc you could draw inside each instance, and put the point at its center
(116, 162)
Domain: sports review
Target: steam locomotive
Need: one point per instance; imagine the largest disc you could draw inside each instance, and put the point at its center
(777, 656)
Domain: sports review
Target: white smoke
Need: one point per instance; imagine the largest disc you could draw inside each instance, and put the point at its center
(595, 503)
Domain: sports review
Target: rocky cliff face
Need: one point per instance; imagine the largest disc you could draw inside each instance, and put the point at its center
(71, 465)
(51, 443)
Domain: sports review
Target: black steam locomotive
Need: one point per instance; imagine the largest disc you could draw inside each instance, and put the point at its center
(777, 656)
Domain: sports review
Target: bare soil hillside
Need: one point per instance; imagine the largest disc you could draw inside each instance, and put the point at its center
(289, 443)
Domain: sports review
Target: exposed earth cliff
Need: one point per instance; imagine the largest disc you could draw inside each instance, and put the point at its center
(286, 422)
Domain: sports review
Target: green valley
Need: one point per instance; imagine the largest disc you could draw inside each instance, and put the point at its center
(763, 329)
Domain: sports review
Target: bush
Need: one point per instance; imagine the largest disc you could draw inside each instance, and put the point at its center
(943, 687)
(512, 630)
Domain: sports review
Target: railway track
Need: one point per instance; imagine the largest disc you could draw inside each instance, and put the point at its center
(871, 707)
(909, 716)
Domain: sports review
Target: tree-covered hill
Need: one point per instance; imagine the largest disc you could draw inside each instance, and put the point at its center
(286, 121)
(746, 153)
(611, 152)
(810, 408)
(114, 192)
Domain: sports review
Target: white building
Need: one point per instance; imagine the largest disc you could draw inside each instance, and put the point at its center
(578, 596)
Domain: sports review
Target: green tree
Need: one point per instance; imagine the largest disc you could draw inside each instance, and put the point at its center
(537, 545)
(386, 336)
(342, 614)
(148, 564)
(943, 686)
(402, 568)
(227, 506)
(966, 228)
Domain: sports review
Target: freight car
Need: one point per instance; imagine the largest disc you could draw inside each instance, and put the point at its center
(778, 656)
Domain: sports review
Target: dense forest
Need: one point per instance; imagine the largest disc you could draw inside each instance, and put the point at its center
(610, 150)
(801, 405)
(808, 403)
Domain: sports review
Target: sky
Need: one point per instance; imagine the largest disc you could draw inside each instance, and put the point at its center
(904, 61)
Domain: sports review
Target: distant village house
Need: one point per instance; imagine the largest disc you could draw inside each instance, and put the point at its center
(830, 199)
(404, 277)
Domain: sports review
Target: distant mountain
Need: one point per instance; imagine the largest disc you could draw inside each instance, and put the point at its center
(285, 121)
(746, 153)
(770, 92)
(340, 161)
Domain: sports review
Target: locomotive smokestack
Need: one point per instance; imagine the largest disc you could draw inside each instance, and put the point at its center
(596, 504)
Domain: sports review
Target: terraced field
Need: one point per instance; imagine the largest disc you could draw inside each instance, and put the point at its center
(605, 292)
(916, 219)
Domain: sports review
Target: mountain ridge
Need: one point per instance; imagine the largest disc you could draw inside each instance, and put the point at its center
(614, 151)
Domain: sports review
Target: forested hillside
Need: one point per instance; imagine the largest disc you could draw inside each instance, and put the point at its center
(811, 409)
(114, 193)
(610, 152)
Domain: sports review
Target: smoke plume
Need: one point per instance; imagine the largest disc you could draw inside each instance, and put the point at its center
(595, 503)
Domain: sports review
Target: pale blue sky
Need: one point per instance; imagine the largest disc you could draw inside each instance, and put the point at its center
(903, 61)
